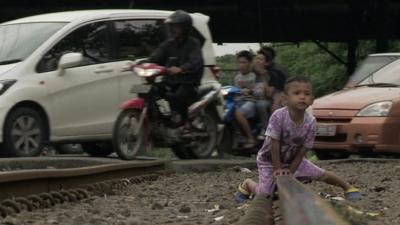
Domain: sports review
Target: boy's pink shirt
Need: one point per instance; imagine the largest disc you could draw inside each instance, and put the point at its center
(290, 135)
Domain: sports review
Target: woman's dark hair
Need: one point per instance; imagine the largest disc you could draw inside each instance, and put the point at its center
(245, 54)
(268, 52)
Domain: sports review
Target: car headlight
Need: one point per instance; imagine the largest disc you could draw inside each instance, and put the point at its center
(5, 84)
(376, 109)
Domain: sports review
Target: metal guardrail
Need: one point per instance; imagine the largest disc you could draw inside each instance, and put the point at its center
(300, 206)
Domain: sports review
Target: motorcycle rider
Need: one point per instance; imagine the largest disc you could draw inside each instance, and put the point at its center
(182, 56)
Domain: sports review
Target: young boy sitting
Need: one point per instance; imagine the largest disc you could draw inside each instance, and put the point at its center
(246, 107)
(291, 130)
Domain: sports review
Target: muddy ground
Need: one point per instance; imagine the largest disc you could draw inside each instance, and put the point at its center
(207, 198)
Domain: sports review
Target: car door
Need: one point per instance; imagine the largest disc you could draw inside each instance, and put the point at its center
(84, 98)
(135, 40)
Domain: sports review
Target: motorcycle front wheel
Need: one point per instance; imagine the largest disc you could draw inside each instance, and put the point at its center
(126, 144)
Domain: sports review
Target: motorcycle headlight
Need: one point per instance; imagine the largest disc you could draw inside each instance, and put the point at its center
(376, 109)
(5, 84)
(146, 72)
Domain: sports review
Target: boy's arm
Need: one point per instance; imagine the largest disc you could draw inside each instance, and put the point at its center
(307, 145)
(274, 131)
(275, 154)
(297, 159)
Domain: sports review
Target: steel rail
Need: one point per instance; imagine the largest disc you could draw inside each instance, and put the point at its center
(22, 183)
(260, 211)
(300, 206)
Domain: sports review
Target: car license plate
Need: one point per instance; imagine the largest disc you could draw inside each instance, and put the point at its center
(141, 88)
(326, 130)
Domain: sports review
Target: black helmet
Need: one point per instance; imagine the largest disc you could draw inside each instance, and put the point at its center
(180, 17)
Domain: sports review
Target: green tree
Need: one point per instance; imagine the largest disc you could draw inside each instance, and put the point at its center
(325, 72)
(227, 61)
(228, 64)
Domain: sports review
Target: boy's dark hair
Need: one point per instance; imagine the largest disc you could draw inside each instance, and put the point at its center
(297, 78)
(245, 54)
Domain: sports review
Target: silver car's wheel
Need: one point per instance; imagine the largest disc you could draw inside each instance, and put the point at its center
(24, 133)
(125, 142)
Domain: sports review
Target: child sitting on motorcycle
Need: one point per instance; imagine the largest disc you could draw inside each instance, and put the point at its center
(245, 103)
(291, 130)
(269, 87)
(278, 76)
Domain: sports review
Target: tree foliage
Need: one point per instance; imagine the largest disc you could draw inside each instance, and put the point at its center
(326, 73)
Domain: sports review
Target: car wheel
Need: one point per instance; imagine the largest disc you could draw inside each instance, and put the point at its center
(99, 149)
(24, 133)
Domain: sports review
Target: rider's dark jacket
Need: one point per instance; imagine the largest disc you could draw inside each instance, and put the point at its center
(185, 54)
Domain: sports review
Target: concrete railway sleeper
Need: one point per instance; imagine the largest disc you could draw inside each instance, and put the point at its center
(46, 200)
(297, 205)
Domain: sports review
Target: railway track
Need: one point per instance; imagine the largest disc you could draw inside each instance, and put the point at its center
(297, 205)
(30, 184)
(34, 183)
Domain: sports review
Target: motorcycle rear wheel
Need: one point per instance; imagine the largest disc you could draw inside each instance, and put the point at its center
(125, 144)
(206, 145)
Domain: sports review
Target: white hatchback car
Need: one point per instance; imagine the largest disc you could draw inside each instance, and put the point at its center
(63, 75)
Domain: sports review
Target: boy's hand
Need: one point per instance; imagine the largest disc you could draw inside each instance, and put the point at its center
(281, 172)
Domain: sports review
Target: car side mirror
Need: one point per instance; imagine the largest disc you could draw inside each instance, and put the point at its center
(69, 60)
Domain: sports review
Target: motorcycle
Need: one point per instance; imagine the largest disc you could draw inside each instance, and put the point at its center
(149, 119)
(233, 138)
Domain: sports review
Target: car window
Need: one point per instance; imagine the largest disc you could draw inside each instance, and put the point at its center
(390, 75)
(369, 66)
(138, 38)
(18, 41)
(91, 40)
